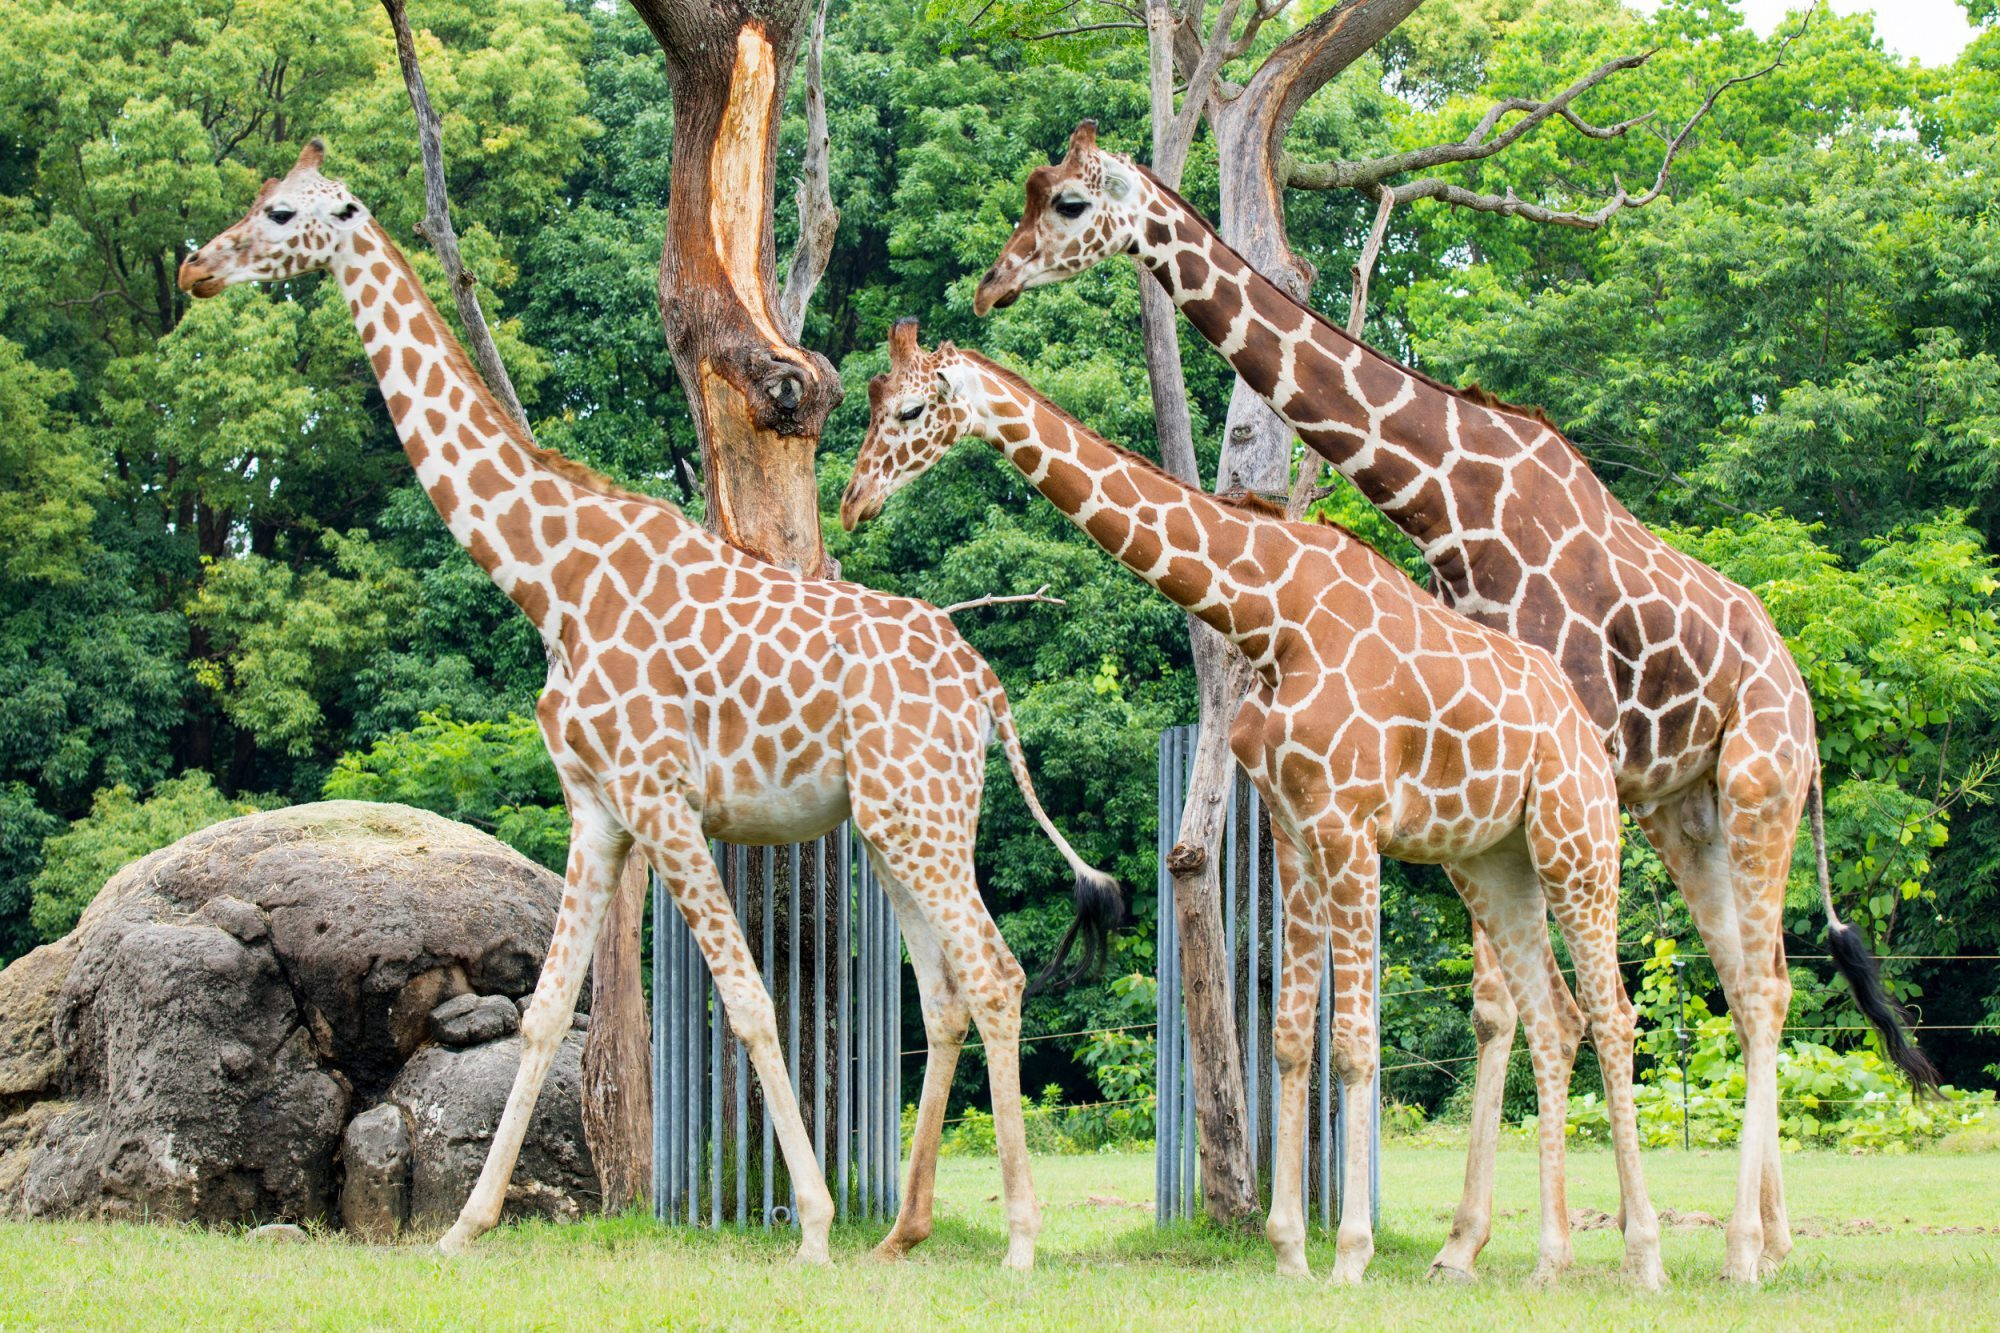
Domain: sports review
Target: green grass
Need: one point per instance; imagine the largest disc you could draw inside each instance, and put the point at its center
(1882, 1241)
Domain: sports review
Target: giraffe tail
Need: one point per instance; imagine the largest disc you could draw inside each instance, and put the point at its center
(1100, 902)
(1863, 973)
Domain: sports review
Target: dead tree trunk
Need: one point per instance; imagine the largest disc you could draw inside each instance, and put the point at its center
(617, 1069)
(759, 401)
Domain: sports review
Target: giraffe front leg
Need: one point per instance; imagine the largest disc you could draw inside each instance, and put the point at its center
(1348, 868)
(596, 858)
(1494, 1019)
(1296, 1008)
(671, 836)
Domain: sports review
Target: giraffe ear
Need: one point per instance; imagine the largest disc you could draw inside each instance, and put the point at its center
(1083, 139)
(903, 342)
(311, 155)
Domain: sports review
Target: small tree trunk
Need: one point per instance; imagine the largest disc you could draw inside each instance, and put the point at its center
(1215, 1063)
(617, 1065)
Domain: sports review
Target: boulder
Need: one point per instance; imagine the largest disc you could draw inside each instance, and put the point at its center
(452, 1100)
(198, 1046)
(375, 1157)
(469, 1020)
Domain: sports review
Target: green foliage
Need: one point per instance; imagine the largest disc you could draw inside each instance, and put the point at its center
(120, 828)
(1693, 1089)
(493, 774)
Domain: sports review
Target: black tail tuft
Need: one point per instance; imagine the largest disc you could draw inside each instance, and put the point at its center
(1864, 978)
(1100, 909)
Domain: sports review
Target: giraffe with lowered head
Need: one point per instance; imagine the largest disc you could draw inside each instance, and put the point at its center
(1380, 723)
(697, 692)
(1705, 714)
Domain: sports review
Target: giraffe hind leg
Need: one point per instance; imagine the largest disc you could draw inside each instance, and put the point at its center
(1494, 1019)
(946, 1018)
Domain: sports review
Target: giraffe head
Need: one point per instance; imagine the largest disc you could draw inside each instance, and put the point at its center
(1080, 211)
(298, 224)
(924, 404)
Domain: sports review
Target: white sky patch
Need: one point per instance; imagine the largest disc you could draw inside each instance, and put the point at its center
(1933, 31)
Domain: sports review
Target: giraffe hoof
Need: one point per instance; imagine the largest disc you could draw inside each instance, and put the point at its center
(458, 1240)
(1649, 1275)
(1019, 1259)
(890, 1251)
(1292, 1262)
(1441, 1271)
(812, 1253)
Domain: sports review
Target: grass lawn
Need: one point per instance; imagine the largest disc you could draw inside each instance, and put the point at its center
(1882, 1241)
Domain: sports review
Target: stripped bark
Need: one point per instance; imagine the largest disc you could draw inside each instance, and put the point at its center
(759, 400)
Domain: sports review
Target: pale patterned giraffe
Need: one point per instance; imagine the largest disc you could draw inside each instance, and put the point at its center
(696, 692)
(1707, 718)
(1380, 723)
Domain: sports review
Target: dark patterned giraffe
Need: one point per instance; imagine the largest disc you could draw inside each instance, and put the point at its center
(696, 692)
(1381, 722)
(1705, 714)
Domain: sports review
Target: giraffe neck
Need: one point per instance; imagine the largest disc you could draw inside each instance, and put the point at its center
(1392, 432)
(506, 502)
(1213, 559)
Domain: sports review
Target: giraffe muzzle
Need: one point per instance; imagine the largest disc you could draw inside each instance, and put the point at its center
(196, 280)
(997, 291)
(856, 509)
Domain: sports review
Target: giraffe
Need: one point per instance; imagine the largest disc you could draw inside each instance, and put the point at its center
(1380, 723)
(696, 692)
(1705, 713)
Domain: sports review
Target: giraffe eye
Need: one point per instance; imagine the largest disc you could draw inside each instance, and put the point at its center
(911, 413)
(279, 214)
(1072, 207)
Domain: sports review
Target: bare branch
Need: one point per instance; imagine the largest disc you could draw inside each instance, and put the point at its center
(1476, 145)
(1077, 31)
(1040, 594)
(1508, 204)
(819, 220)
(1364, 267)
(436, 226)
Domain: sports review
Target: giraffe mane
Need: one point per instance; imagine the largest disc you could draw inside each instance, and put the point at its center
(568, 468)
(1471, 393)
(1247, 501)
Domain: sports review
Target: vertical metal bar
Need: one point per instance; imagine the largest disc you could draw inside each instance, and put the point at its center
(1324, 1047)
(864, 1057)
(1375, 1089)
(793, 1055)
(890, 1116)
(821, 1030)
(1253, 1065)
(764, 1099)
(843, 1011)
(659, 1051)
(741, 1063)
(715, 1054)
(1162, 1027)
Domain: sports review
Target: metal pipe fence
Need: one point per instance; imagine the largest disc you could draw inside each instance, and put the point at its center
(821, 927)
(1254, 939)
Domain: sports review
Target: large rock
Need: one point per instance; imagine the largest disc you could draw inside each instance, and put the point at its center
(195, 1048)
(375, 1156)
(453, 1099)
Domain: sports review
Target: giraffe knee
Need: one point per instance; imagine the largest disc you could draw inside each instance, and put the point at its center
(1292, 1046)
(1493, 1016)
(1353, 1056)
